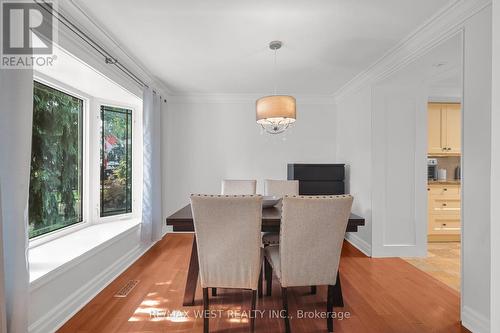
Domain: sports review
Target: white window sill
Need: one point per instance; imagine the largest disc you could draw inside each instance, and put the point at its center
(61, 253)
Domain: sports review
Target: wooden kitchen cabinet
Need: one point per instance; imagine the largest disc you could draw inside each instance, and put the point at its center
(444, 127)
(434, 128)
(453, 128)
(444, 212)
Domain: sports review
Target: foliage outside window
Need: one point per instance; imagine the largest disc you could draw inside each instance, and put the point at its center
(55, 199)
(116, 161)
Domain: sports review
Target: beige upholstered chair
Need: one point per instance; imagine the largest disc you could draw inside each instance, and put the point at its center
(231, 186)
(311, 237)
(278, 188)
(281, 187)
(238, 187)
(228, 262)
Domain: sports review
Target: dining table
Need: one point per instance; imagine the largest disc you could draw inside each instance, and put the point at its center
(182, 221)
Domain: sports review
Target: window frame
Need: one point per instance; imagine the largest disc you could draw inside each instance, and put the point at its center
(91, 161)
(43, 79)
(96, 181)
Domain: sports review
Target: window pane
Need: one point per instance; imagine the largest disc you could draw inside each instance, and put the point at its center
(116, 161)
(55, 199)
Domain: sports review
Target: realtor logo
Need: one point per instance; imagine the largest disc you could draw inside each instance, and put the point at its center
(27, 34)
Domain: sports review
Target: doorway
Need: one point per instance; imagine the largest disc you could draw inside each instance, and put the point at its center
(444, 164)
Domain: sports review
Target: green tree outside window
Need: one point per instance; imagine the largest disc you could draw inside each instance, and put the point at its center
(55, 197)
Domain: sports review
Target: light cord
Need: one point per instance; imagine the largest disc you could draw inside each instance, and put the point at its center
(275, 71)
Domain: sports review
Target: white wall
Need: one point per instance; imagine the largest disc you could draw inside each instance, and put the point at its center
(399, 169)
(55, 300)
(476, 172)
(396, 146)
(211, 140)
(495, 173)
(67, 288)
(446, 94)
(354, 147)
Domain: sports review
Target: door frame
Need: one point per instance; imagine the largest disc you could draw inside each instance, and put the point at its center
(461, 34)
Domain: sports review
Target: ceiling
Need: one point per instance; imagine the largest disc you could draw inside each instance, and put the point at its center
(221, 46)
(440, 66)
(439, 71)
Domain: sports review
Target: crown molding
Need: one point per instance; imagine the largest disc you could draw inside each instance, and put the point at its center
(244, 98)
(444, 24)
(73, 11)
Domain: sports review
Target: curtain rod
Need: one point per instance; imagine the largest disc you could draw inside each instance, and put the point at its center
(108, 58)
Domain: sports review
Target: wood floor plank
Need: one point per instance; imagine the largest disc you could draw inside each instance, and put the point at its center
(381, 295)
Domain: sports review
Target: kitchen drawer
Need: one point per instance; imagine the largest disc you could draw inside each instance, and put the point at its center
(444, 205)
(444, 224)
(443, 189)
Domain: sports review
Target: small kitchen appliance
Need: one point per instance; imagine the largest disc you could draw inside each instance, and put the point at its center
(432, 169)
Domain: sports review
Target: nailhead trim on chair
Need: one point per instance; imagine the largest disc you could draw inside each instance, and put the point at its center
(267, 242)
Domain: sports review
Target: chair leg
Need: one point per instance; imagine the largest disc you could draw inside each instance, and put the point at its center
(252, 313)
(269, 277)
(313, 290)
(265, 267)
(261, 283)
(329, 308)
(205, 310)
(284, 296)
(214, 292)
(338, 299)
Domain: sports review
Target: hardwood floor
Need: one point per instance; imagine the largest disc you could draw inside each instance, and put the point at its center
(380, 295)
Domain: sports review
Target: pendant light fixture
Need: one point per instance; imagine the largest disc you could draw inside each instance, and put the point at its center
(275, 113)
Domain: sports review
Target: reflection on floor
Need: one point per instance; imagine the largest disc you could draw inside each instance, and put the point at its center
(381, 295)
(442, 262)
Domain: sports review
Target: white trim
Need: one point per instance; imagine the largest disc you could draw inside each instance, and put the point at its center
(444, 99)
(243, 98)
(35, 284)
(495, 175)
(85, 173)
(359, 243)
(474, 321)
(91, 159)
(441, 26)
(137, 151)
(58, 315)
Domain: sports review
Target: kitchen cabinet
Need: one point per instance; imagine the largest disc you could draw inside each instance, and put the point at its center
(444, 212)
(444, 129)
(453, 128)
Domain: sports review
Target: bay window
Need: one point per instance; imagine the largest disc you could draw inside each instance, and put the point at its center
(82, 167)
(116, 161)
(55, 199)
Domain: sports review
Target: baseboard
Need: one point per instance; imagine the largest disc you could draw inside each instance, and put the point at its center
(359, 243)
(60, 314)
(474, 321)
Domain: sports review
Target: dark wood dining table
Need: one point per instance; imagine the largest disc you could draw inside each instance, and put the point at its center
(182, 221)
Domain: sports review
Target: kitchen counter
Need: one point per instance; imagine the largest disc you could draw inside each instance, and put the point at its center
(444, 182)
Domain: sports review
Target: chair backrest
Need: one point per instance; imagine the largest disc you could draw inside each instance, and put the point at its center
(311, 237)
(228, 234)
(239, 187)
(281, 188)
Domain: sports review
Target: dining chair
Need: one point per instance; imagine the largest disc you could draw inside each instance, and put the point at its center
(232, 186)
(228, 262)
(237, 187)
(309, 253)
(278, 188)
